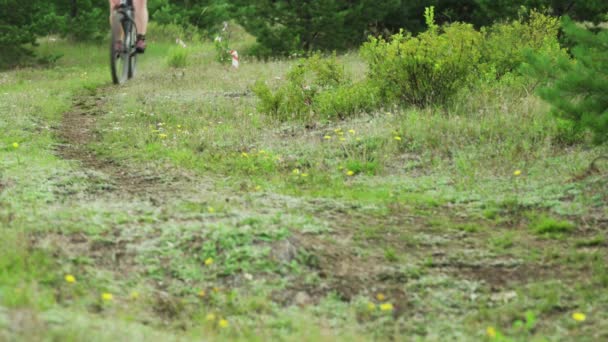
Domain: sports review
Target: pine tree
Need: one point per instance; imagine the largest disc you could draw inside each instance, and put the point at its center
(577, 87)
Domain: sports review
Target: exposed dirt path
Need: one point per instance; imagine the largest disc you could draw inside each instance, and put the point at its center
(77, 130)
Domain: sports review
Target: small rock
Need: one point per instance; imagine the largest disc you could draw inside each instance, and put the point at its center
(302, 299)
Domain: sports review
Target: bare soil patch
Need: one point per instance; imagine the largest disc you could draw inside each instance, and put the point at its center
(77, 130)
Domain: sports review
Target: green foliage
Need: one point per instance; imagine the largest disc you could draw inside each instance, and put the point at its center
(505, 44)
(316, 88)
(178, 57)
(577, 87)
(16, 30)
(204, 15)
(287, 27)
(427, 69)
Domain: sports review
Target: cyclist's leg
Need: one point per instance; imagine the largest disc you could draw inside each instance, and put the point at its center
(113, 4)
(141, 20)
(141, 15)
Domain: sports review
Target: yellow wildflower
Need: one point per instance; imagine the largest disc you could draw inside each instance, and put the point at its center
(209, 261)
(179, 126)
(371, 306)
(216, 289)
(16, 145)
(351, 131)
(342, 139)
(70, 278)
(304, 175)
(491, 332)
(210, 317)
(134, 295)
(162, 136)
(350, 173)
(579, 316)
(381, 297)
(398, 138)
(211, 210)
(223, 323)
(258, 188)
(517, 173)
(327, 137)
(244, 155)
(338, 130)
(386, 307)
(107, 296)
(296, 171)
(202, 293)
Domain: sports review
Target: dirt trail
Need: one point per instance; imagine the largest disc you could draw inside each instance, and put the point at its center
(77, 130)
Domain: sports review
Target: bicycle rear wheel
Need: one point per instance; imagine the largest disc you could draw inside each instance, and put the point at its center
(119, 52)
(132, 41)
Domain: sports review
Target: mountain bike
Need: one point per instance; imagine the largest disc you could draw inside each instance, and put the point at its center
(123, 56)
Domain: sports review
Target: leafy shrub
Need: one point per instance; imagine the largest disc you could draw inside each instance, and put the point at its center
(347, 100)
(178, 57)
(577, 88)
(504, 45)
(315, 87)
(427, 69)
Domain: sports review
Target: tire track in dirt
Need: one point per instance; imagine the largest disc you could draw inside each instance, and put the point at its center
(78, 130)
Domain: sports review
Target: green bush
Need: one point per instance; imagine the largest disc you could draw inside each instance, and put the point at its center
(178, 57)
(577, 88)
(295, 99)
(427, 69)
(347, 100)
(504, 45)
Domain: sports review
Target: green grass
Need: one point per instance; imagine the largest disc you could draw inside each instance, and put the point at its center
(297, 247)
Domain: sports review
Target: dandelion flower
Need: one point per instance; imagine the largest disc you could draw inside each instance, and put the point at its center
(70, 278)
(304, 175)
(15, 145)
(579, 316)
(296, 171)
(209, 261)
(381, 297)
(338, 130)
(491, 332)
(211, 210)
(244, 155)
(223, 323)
(386, 307)
(351, 131)
(371, 306)
(342, 139)
(258, 188)
(350, 173)
(327, 137)
(179, 126)
(202, 293)
(398, 138)
(517, 173)
(162, 136)
(107, 296)
(210, 317)
(134, 295)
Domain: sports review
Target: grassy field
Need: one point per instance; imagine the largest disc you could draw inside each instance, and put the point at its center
(171, 209)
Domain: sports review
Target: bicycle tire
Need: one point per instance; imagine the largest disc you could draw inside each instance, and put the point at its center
(119, 60)
(132, 32)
